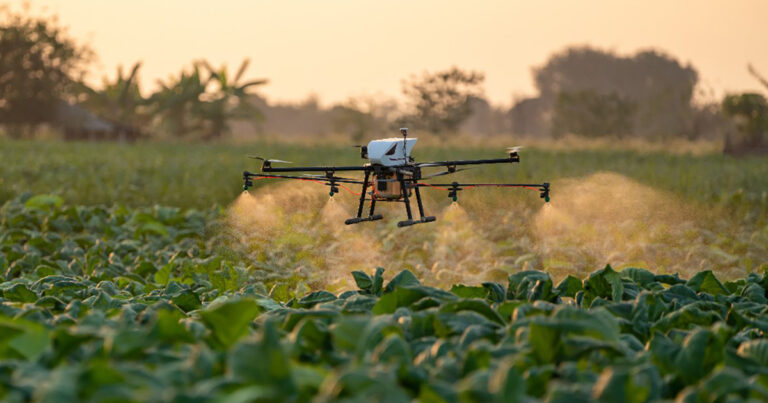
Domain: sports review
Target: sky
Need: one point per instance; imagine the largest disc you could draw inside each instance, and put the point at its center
(336, 49)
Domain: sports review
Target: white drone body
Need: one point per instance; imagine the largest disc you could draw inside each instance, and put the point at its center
(390, 152)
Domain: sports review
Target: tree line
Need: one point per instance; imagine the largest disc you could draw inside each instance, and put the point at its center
(581, 90)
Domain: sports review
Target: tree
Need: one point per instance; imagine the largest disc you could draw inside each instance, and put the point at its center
(40, 67)
(201, 102)
(590, 114)
(749, 111)
(441, 101)
(121, 103)
(757, 75)
(177, 103)
(660, 87)
(362, 116)
(229, 99)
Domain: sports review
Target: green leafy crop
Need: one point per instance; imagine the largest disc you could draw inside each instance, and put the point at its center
(117, 304)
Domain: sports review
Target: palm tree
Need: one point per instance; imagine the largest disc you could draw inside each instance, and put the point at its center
(230, 100)
(199, 104)
(120, 102)
(757, 75)
(178, 102)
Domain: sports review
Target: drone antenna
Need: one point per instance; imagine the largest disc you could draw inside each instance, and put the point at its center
(404, 132)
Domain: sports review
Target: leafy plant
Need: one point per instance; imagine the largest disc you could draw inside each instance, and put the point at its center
(136, 304)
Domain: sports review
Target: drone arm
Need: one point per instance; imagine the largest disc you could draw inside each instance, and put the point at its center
(249, 175)
(513, 157)
(269, 168)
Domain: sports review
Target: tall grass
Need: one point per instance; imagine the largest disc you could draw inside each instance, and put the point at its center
(200, 175)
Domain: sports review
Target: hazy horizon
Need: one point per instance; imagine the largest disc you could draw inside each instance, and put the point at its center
(342, 48)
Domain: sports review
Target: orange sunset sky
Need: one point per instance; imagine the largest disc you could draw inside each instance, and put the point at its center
(342, 48)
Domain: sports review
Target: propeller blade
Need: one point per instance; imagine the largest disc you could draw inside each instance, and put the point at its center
(431, 164)
(515, 149)
(270, 160)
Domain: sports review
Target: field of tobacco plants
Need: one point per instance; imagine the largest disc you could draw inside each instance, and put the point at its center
(143, 304)
(141, 273)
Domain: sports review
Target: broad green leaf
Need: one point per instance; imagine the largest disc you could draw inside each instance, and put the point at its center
(230, 320)
(280, 292)
(378, 282)
(474, 305)
(705, 281)
(187, 300)
(392, 349)
(404, 278)
(496, 291)
(638, 276)
(363, 281)
(756, 350)
(530, 285)
(465, 291)
(20, 293)
(315, 298)
(605, 283)
(44, 201)
(569, 286)
(24, 338)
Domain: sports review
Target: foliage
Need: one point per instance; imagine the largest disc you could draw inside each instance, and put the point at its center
(201, 102)
(200, 175)
(441, 101)
(658, 85)
(590, 114)
(120, 102)
(112, 303)
(750, 111)
(39, 68)
(362, 118)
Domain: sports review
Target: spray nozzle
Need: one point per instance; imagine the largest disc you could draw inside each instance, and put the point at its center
(453, 193)
(247, 182)
(334, 189)
(545, 192)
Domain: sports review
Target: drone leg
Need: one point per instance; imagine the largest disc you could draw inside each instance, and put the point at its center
(373, 206)
(421, 206)
(362, 195)
(370, 217)
(407, 203)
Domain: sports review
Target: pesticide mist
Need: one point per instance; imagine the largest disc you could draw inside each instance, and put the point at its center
(295, 230)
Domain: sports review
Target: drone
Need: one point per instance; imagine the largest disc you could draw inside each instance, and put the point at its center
(391, 175)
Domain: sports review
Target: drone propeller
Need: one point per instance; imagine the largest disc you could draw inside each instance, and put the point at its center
(444, 173)
(514, 149)
(269, 160)
(432, 164)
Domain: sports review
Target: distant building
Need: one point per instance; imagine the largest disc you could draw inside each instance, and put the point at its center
(79, 123)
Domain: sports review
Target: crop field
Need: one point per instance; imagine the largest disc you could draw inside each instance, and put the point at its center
(143, 272)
